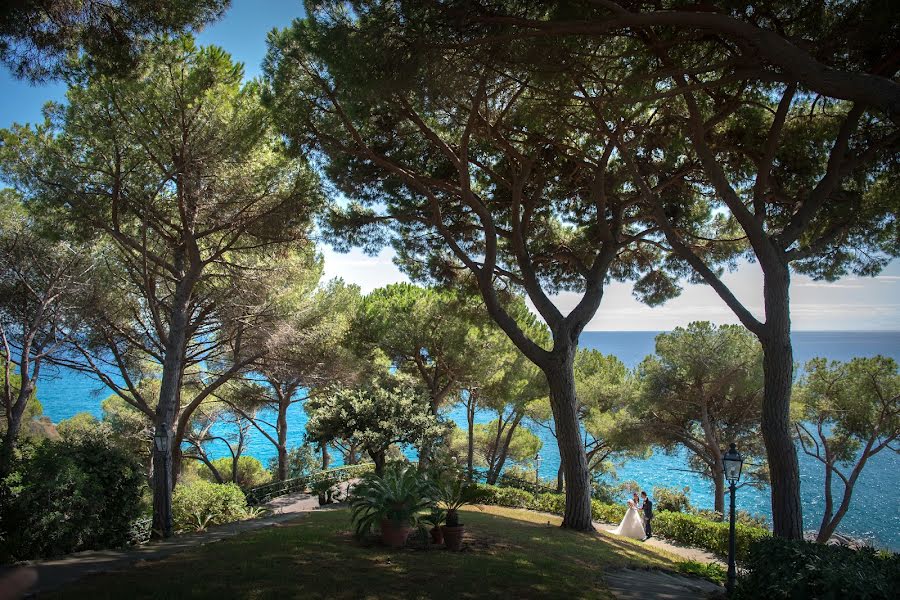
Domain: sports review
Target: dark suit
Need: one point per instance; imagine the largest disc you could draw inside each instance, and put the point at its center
(648, 516)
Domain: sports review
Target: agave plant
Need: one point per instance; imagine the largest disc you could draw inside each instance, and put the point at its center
(401, 495)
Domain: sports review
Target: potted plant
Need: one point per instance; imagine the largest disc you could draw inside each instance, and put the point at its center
(453, 494)
(393, 501)
(436, 519)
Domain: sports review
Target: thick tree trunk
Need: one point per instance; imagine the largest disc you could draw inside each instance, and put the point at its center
(378, 459)
(778, 369)
(561, 379)
(326, 458)
(282, 429)
(163, 479)
(560, 478)
(719, 483)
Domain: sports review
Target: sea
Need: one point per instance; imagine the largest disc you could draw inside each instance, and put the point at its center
(874, 515)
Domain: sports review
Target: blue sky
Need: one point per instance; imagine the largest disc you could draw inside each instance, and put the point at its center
(852, 303)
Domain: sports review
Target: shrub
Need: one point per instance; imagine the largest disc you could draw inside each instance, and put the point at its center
(551, 503)
(607, 513)
(250, 472)
(71, 495)
(302, 461)
(401, 494)
(671, 499)
(779, 568)
(740, 516)
(197, 505)
(711, 571)
(696, 531)
(504, 496)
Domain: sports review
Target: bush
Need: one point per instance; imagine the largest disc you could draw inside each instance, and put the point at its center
(302, 461)
(711, 571)
(551, 503)
(504, 496)
(712, 536)
(199, 504)
(741, 516)
(606, 512)
(779, 568)
(250, 472)
(671, 499)
(73, 495)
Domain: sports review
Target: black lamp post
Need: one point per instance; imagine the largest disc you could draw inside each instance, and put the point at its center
(537, 471)
(732, 462)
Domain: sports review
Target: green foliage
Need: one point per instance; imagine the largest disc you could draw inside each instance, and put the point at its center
(671, 499)
(199, 504)
(504, 496)
(71, 495)
(401, 494)
(250, 472)
(780, 569)
(303, 461)
(712, 536)
(452, 493)
(712, 571)
(703, 385)
(551, 503)
(372, 418)
(607, 512)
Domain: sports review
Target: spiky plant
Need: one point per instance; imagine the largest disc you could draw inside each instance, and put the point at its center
(400, 495)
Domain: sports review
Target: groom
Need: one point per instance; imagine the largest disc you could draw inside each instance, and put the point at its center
(647, 506)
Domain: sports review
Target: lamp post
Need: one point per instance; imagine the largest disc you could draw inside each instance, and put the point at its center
(537, 471)
(732, 463)
(163, 497)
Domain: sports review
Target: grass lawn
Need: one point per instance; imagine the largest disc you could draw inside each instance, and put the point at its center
(509, 554)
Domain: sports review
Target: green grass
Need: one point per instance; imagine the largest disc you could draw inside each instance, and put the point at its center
(511, 554)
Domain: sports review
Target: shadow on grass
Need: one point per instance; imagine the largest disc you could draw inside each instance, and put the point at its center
(317, 557)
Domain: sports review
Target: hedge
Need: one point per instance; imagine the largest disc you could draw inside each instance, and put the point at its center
(708, 535)
(786, 569)
(692, 530)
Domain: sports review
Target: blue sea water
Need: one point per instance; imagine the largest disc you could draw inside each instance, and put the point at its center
(875, 514)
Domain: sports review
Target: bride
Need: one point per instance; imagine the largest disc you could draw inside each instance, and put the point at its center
(633, 524)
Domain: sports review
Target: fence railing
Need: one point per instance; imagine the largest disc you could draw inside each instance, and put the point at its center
(269, 491)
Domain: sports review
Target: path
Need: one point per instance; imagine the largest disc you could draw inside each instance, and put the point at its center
(52, 574)
(640, 584)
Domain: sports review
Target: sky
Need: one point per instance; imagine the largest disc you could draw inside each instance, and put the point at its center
(849, 304)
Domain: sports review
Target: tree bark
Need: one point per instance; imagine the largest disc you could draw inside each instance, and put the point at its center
(281, 430)
(163, 479)
(560, 479)
(378, 459)
(14, 414)
(326, 458)
(719, 483)
(561, 379)
(778, 369)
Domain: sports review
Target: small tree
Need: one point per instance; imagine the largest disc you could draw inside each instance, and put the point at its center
(373, 418)
(846, 413)
(701, 391)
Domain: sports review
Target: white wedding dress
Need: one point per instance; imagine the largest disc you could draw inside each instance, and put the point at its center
(632, 524)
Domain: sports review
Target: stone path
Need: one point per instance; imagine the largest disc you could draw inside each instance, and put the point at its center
(639, 584)
(55, 573)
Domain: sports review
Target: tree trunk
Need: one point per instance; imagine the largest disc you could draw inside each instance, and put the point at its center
(826, 528)
(326, 458)
(378, 459)
(470, 421)
(778, 368)
(163, 479)
(561, 379)
(281, 430)
(504, 447)
(560, 479)
(14, 416)
(719, 483)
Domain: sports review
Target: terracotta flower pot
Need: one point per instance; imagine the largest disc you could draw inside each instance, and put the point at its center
(453, 536)
(394, 533)
(437, 535)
